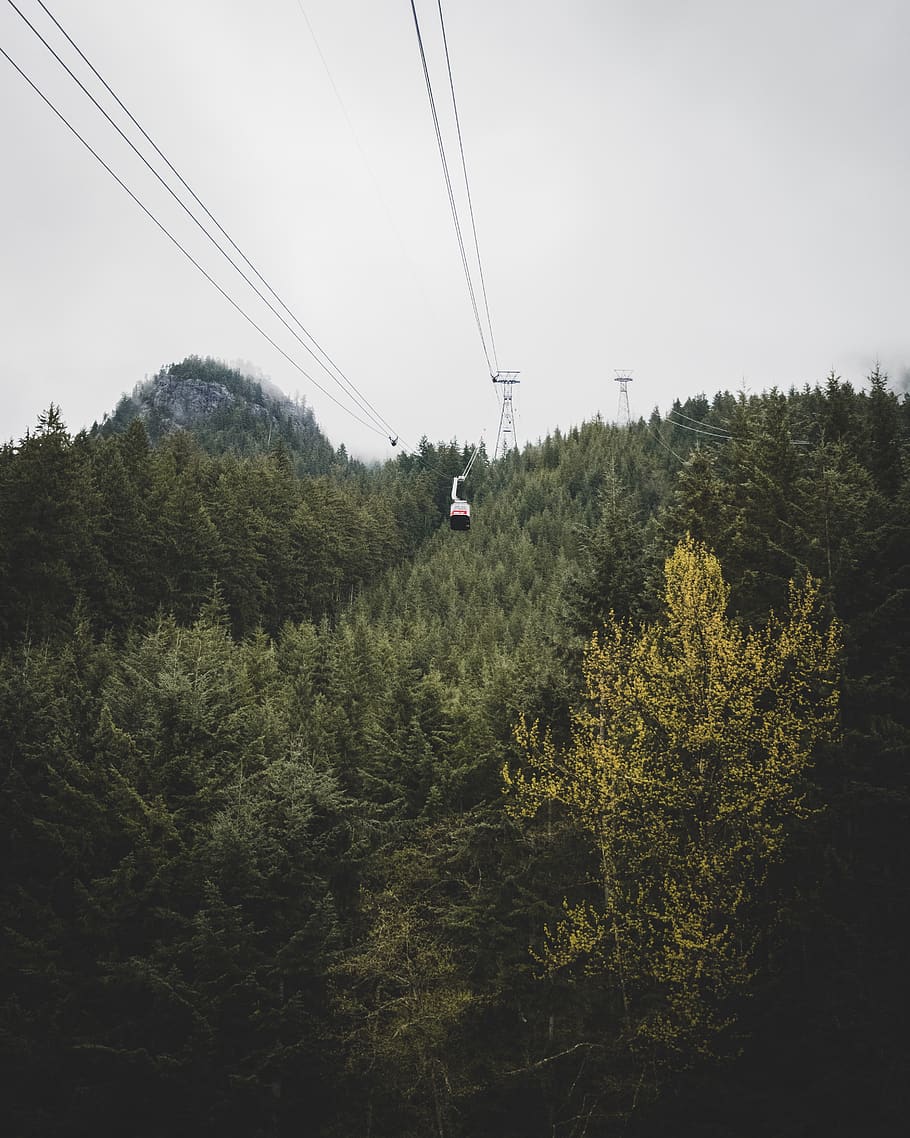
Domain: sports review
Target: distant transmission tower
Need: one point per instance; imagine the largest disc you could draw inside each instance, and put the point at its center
(624, 379)
(506, 433)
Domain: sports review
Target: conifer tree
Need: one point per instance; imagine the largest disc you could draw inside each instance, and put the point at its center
(47, 523)
(884, 435)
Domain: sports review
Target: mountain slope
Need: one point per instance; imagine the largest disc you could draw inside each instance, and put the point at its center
(226, 411)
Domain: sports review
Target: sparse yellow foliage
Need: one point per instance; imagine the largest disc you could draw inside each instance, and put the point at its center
(686, 768)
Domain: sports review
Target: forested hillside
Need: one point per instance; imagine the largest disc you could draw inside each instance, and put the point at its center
(226, 411)
(319, 818)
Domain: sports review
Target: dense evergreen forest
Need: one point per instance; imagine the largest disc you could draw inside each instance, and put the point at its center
(321, 819)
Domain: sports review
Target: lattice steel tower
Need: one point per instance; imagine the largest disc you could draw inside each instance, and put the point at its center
(624, 379)
(506, 432)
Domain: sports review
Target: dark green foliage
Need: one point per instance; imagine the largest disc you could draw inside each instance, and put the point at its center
(124, 530)
(167, 886)
(255, 701)
(48, 518)
(227, 412)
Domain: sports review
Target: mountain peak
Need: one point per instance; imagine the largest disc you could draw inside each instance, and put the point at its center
(225, 410)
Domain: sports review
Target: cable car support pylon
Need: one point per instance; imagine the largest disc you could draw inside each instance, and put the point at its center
(624, 378)
(505, 436)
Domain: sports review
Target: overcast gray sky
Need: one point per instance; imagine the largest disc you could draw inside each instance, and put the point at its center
(709, 193)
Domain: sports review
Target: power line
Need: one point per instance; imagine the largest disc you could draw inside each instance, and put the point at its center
(700, 422)
(326, 363)
(665, 445)
(713, 434)
(708, 427)
(234, 304)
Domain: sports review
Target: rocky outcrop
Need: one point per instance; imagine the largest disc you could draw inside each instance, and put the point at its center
(225, 410)
(186, 399)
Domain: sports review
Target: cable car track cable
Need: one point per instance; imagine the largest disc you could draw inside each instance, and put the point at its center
(449, 189)
(326, 363)
(464, 168)
(234, 304)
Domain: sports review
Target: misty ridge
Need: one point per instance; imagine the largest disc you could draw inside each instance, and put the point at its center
(225, 408)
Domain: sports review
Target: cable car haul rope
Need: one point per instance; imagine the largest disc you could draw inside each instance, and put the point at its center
(349, 398)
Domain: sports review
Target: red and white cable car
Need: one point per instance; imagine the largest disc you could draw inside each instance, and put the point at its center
(460, 510)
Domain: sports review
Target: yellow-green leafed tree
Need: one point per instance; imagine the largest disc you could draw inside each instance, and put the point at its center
(686, 769)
